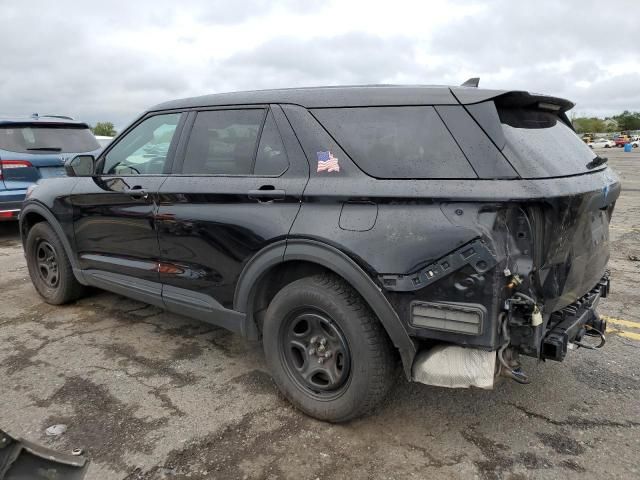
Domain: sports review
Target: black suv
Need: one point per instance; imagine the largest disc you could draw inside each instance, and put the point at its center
(449, 228)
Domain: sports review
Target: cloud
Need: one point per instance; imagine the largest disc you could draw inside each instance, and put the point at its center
(112, 62)
(352, 58)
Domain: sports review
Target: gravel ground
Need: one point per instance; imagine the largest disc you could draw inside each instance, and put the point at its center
(150, 395)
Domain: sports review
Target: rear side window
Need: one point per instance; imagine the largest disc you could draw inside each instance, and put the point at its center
(397, 142)
(271, 158)
(223, 142)
(539, 144)
(43, 139)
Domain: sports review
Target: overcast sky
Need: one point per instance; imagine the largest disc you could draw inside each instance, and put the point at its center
(108, 61)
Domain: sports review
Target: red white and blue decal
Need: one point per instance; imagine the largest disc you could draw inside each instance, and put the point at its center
(327, 162)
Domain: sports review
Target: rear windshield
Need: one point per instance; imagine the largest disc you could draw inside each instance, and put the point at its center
(397, 142)
(40, 139)
(539, 144)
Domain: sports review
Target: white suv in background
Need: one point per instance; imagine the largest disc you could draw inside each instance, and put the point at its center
(601, 143)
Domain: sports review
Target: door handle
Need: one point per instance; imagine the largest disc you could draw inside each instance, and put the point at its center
(266, 193)
(138, 192)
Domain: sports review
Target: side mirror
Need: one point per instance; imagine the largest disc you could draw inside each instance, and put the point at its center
(80, 166)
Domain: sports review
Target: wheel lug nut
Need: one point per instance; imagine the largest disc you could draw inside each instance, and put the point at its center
(323, 341)
(321, 360)
(328, 354)
(314, 339)
(312, 351)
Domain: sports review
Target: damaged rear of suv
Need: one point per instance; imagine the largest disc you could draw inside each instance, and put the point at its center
(454, 228)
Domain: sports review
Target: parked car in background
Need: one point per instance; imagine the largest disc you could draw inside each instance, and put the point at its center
(621, 140)
(349, 228)
(36, 147)
(103, 140)
(602, 143)
(635, 142)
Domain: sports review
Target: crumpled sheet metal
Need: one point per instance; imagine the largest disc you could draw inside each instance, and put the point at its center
(20, 460)
(453, 366)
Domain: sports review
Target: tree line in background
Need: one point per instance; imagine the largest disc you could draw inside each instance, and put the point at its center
(105, 129)
(625, 121)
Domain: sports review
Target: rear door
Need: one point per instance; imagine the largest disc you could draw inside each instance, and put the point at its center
(236, 188)
(115, 232)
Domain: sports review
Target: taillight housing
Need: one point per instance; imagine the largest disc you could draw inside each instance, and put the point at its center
(7, 164)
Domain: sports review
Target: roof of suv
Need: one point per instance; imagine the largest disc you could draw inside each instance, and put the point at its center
(347, 96)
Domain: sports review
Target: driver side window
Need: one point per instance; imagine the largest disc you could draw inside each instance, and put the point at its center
(143, 151)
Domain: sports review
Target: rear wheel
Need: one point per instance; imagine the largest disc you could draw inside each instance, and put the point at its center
(327, 352)
(49, 266)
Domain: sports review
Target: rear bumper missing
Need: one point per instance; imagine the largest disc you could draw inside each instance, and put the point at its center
(572, 323)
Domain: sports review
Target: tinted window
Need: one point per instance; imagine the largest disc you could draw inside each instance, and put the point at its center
(34, 139)
(144, 149)
(540, 145)
(223, 142)
(397, 142)
(271, 158)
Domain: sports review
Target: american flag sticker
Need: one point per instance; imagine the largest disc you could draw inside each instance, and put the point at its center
(327, 162)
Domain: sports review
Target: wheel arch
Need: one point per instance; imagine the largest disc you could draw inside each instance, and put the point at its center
(34, 213)
(302, 257)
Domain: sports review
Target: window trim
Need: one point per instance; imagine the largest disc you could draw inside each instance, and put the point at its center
(188, 129)
(171, 153)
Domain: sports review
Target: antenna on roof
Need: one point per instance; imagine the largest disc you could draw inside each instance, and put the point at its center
(472, 82)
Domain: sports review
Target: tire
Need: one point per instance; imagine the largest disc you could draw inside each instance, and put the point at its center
(49, 266)
(607, 146)
(361, 366)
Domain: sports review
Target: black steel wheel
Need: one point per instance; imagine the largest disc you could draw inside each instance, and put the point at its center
(326, 350)
(315, 351)
(49, 267)
(47, 262)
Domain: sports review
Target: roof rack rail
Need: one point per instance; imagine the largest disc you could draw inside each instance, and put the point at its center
(472, 82)
(63, 117)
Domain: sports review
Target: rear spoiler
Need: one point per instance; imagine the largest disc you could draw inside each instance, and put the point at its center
(41, 123)
(516, 99)
(513, 98)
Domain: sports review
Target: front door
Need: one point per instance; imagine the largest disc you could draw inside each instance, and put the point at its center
(236, 188)
(114, 227)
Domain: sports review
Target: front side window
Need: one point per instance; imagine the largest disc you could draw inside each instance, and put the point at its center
(223, 142)
(144, 150)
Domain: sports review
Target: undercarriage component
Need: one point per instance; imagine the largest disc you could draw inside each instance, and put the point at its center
(20, 459)
(452, 366)
(572, 323)
(476, 254)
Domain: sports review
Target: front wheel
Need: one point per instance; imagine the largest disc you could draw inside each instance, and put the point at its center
(49, 266)
(327, 352)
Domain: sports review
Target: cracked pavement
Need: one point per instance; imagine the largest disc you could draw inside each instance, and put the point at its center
(151, 395)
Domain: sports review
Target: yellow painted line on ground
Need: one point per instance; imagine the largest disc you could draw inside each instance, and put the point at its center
(622, 333)
(611, 329)
(619, 321)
